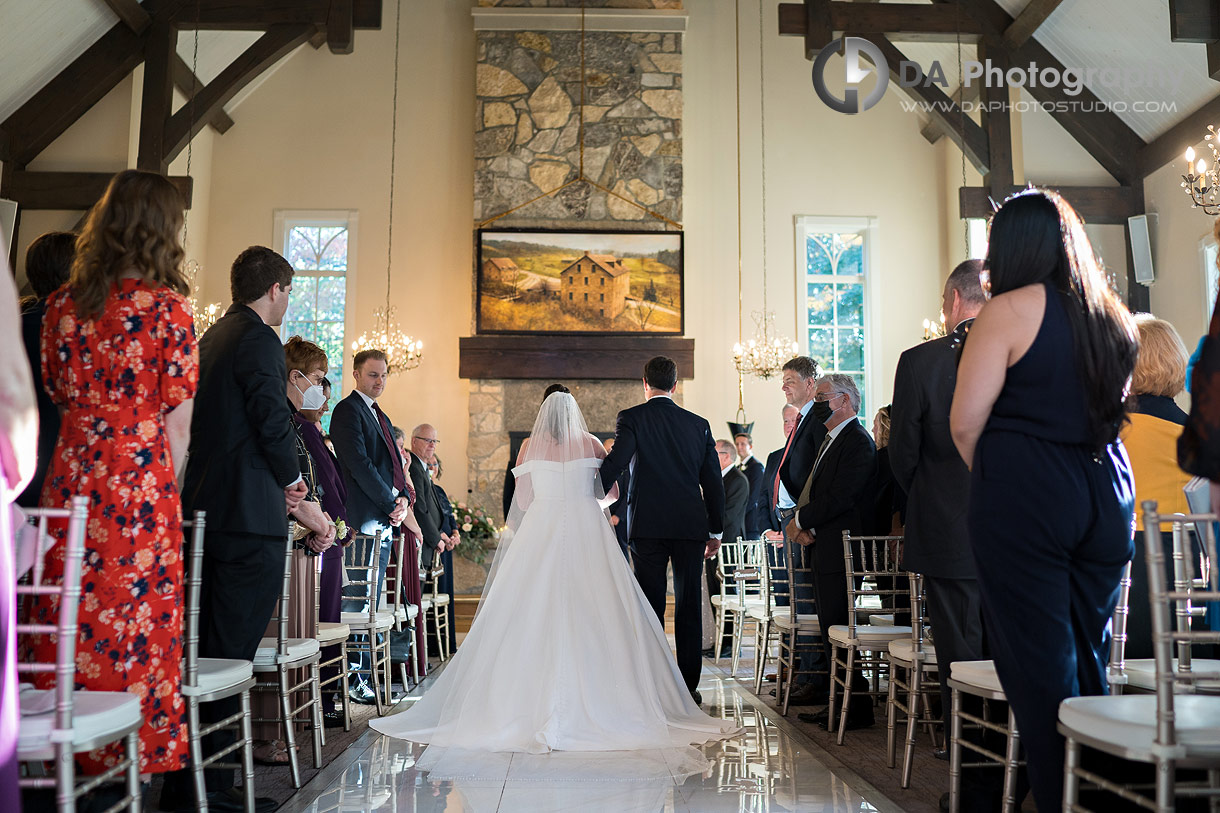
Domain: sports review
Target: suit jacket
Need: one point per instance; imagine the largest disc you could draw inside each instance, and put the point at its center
(366, 461)
(809, 435)
(756, 519)
(48, 413)
(675, 458)
(766, 497)
(926, 463)
(243, 450)
(619, 509)
(428, 511)
(736, 500)
(839, 495)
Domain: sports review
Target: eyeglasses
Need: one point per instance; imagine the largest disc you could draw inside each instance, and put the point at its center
(429, 441)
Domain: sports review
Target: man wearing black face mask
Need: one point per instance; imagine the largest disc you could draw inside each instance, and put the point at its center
(831, 502)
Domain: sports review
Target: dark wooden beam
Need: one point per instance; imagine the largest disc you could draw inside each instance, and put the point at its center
(1103, 205)
(131, 13)
(1194, 21)
(265, 52)
(339, 32)
(996, 121)
(932, 129)
(900, 22)
(1104, 134)
(188, 84)
(1213, 60)
(63, 100)
(969, 136)
(1171, 145)
(245, 15)
(70, 190)
(564, 357)
(1028, 21)
(157, 100)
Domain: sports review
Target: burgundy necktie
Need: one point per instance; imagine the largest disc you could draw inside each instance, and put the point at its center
(787, 446)
(400, 479)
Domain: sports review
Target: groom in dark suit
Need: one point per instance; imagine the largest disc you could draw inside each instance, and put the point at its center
(675, 505)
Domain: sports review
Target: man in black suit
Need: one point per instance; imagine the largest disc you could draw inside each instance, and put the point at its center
(373, 476)
(618, 508)
(926, 465)
(671, 458)
(243, 470)
(736, 499)
(836, 499)
(796, 463)
(428, 511)
(48, 262)
(752, 468)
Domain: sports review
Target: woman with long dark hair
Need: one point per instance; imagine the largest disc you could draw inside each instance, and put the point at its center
(1036, 414)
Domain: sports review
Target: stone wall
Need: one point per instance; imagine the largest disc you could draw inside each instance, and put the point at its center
(527, 128)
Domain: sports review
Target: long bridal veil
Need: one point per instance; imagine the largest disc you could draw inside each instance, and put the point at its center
(566, 673)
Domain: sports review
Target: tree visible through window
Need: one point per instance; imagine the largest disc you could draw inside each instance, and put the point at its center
(832, 278)
(319, 252)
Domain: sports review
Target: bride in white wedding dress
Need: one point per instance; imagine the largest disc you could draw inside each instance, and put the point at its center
(565, 653)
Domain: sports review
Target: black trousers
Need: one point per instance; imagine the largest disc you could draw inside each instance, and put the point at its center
(652, 556)
(955, 611)
(830, 596)
(242, 578)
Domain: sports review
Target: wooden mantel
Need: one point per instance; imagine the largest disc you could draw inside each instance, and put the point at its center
(566, 357)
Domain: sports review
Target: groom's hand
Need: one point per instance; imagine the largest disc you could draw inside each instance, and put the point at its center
(713, 545)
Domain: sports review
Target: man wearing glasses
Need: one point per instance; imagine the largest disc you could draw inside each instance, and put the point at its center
(428, 513)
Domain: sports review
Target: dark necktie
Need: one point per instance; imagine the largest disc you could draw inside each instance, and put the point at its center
(787, 446)
(817, 461)
(387, 434)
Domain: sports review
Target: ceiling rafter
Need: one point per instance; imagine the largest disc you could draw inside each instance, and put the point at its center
(1028, 21)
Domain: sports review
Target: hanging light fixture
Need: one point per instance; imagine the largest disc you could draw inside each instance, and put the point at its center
(765, 353)
(1201, 182)
(402, 351)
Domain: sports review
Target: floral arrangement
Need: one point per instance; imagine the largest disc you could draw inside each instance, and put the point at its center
(479, 533)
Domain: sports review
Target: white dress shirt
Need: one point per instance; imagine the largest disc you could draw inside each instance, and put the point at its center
(784, 499)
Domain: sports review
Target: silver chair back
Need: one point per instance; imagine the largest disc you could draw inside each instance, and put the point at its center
(873, 560)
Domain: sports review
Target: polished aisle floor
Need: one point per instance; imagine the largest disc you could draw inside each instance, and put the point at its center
(770, 767)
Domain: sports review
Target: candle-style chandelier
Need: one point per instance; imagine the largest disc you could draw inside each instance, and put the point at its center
(934, 329)
(1201, 182)
(402, 351)
(763, 355)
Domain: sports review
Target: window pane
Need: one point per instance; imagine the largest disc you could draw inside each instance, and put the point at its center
(332, 293)
(822, 347)
(850, 304)
(851, 349)
(864, 408)
(332, 255)
(817, 259)
(303, 248)
(303, 329)
(330, 339)
(301, 300)
(821, 303)
(851, 257)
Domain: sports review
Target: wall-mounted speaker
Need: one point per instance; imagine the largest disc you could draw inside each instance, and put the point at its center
(1139, 230)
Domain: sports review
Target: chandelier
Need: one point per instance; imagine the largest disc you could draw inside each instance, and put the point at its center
(934, 329)
(1201, 181)
(766, 353)
(205, 316)
(402, 352)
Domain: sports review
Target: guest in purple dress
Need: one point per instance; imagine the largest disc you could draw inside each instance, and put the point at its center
(330, 490)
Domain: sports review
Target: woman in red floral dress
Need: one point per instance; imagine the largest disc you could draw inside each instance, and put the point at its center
(120, 359)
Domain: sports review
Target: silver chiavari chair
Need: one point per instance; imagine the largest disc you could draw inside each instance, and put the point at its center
(913, 657)
(1179, 726)
(370, 626)
(728, 559)
(872, 558)
(763, 614)
(404, 614)
(798, 629)
(749, 595)
(434, 607)
(58, 723)
(333, 634)
(208, 679)
(281, 654)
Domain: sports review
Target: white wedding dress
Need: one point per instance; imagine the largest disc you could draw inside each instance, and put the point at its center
(565, 653)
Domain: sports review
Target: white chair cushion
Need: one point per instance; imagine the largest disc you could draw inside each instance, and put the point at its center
(442, 600)
(94, 715)
(977, 673)
(804, 623)
(881, 619)
(330, 633)
(298, 648)
(1141, 673)
(359, 621)
(760, 612)
(216, 674)
(868, 635)
(1130, 719)
(425, 604)
(903, 650)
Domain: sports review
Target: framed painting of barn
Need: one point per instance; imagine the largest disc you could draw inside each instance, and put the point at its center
(579, 282)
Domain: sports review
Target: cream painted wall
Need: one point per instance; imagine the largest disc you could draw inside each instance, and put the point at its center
(316, 135)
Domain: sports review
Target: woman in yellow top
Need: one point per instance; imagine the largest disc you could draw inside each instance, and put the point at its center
(1151, 439)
